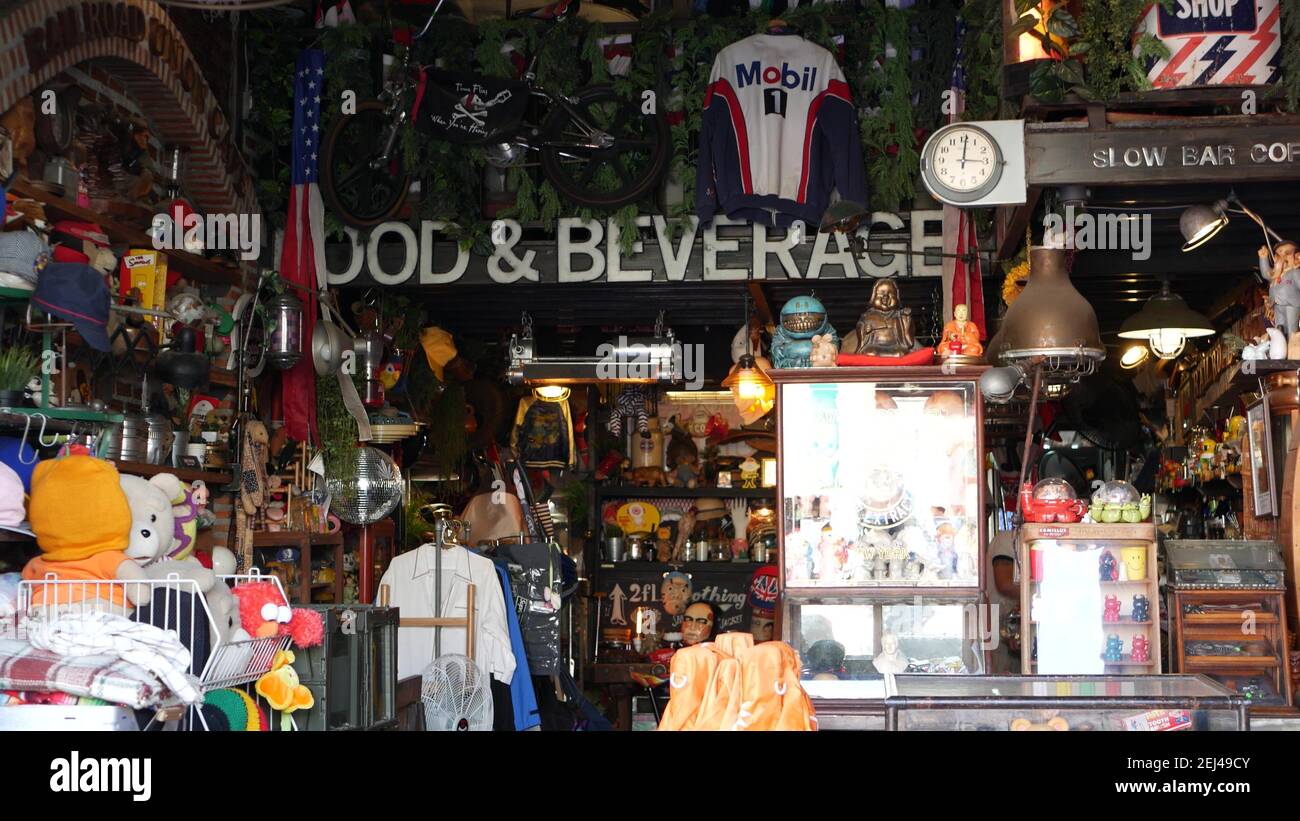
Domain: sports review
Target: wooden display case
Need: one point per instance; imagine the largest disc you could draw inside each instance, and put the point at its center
(1227, 618)
(1064, 598)
(882, 526)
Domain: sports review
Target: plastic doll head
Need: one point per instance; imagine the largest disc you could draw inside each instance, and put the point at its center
(697, 623)
(676, 592)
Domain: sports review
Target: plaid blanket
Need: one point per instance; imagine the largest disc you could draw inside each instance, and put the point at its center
(25, 668)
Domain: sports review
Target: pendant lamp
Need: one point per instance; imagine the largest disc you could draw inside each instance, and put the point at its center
(1166, 323)
(1050, 320)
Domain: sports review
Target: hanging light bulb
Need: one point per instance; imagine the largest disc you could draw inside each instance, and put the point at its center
(1166, 323)
(754, 392)
(1134, 356)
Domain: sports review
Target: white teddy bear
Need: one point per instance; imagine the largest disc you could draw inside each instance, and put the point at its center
(152, 523)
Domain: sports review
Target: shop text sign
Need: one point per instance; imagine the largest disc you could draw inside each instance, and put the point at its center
(1265, 152)
(667, 251)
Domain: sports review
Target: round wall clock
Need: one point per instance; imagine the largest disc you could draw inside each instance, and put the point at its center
(961, 163)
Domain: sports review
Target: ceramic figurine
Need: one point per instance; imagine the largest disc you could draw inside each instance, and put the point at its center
(1109, 567)
(1111, 613)
(802, 319)
(889, 659)
(1141, 650)
(1284, 286)
(824, 351)
(1114, 648)
(961, 337)
(749, 473)
(885, 328)
(1141, 608)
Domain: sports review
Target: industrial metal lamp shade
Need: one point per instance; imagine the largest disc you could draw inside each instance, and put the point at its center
(1166, 322)
(1050, 318)
(844, 215)
(1199, 223)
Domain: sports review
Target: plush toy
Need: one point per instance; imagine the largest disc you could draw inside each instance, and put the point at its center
(152, 522)
(83, 523)
(281, 687)
(221, 602)
(184, 514)
(631, 404)
(1057, 724)
(264, 612)
(254, 486)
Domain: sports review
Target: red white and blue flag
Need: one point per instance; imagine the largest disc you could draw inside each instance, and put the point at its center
(302, 258)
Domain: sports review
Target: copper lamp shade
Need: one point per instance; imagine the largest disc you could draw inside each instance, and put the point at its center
(1050, 318)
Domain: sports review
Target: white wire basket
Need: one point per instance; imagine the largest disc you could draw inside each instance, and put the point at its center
(229, 664)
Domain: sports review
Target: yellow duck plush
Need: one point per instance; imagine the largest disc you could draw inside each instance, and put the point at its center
(281, 687)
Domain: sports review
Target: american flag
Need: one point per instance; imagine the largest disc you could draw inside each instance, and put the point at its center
(302, 259)
(958, 226)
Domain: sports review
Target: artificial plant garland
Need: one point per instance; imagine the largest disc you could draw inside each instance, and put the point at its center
(674, 58)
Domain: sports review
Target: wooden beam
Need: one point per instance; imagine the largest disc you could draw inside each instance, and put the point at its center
(1012, 221)
(761, 307)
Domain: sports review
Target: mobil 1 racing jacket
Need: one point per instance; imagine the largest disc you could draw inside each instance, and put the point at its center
(780, 130)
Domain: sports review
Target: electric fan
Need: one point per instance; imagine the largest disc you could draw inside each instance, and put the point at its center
(455, 695)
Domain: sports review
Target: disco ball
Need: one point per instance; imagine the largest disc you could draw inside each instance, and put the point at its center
(370, 490)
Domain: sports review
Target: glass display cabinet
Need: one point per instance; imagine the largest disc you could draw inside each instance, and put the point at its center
(1227, 617)
(1063, 703)
(881, 525)
(1090, 599)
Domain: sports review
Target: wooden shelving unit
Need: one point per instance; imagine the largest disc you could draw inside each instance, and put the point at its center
(634, 492)
(190, 265)
(213, 479)
(1096, 539)
(307, 543)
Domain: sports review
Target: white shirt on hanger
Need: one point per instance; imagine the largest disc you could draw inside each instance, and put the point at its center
(410, 578)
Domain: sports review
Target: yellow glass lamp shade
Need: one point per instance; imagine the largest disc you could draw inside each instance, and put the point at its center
(751, 389)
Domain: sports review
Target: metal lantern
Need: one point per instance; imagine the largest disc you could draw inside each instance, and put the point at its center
(370, 490)
(285, 347)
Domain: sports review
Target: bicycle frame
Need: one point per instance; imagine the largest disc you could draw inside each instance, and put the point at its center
(397, 93)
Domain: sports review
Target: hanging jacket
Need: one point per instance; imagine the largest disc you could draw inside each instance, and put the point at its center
(543, 433)
(780, 131)
(522, 697)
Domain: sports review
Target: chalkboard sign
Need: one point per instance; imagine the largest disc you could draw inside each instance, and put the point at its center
(631, 585)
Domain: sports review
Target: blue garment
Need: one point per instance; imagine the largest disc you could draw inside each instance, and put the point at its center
(522, 695)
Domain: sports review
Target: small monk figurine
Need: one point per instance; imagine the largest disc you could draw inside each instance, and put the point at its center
(961, 337)
(885, 328)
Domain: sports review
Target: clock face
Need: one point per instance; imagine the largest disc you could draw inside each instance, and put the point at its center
(965, 160)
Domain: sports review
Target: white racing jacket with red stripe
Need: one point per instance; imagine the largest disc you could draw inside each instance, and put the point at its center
(780, 131)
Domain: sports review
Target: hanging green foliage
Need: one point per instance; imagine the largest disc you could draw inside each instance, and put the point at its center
(1291, 54)
(1096, 58)
(674, 58)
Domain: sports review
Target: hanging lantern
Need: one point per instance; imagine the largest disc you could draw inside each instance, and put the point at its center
(751, 389)
(286, 340)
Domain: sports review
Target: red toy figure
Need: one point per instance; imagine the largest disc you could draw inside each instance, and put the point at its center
(1050, 510)
(1141, 649)
(1111, 613)
(608, 466)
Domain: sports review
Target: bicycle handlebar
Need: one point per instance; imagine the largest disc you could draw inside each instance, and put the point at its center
(429, 22)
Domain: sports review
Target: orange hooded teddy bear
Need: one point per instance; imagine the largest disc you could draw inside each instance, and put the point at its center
(82, 522)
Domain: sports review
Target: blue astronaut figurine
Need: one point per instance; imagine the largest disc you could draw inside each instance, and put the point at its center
(802, 318)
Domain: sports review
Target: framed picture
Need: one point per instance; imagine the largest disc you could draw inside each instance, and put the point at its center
(1259, 436)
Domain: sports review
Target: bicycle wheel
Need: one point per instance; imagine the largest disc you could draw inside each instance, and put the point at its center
(626, 170)
(361, 195)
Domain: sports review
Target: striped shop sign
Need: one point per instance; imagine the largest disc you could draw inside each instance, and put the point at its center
(1216, 42)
